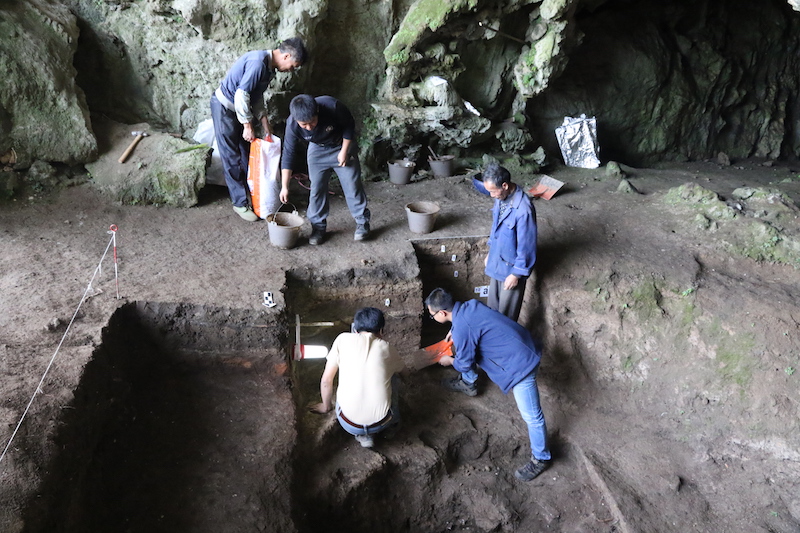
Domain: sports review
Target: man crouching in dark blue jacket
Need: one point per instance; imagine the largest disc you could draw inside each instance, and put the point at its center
(485, 338)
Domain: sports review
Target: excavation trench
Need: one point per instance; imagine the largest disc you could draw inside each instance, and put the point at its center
(192, 418)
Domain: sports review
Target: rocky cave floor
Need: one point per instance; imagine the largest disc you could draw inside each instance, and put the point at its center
(217, 438)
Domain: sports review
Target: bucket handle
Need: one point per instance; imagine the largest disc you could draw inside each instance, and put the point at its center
(294, 209)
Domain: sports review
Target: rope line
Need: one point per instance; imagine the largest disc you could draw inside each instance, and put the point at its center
(63, 337)
(299, 178)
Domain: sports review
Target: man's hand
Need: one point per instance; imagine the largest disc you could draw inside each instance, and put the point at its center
(510, 282)
(319, 408)
(446, 360)
(284, 195)
(342, 157)
(248, 134)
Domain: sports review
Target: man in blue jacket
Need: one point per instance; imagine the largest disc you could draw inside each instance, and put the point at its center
(238, 104)
(484, 338)
(512, 242)
(328, 127)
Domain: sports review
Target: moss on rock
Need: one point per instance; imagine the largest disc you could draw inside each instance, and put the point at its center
(423, 16)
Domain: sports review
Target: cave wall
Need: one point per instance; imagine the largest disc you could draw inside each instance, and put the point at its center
(159, 61)
(681, 80)
(667, 80)
(43, 114)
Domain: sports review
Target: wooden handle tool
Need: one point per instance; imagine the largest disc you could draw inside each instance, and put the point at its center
(129, 149)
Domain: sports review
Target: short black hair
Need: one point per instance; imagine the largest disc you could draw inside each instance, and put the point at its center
(369, 319)
(296, 49)
(496, 175)
(303, 108)
(440, 300)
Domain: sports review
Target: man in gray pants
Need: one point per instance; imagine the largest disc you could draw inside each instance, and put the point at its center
(329, 129)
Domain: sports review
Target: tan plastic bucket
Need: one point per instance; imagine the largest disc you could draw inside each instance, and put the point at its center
(422, 216)
(284, 228)
(443, 166)
(400, 171)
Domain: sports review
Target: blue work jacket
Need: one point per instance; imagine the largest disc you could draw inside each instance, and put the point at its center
(486, 338)
(512, 242)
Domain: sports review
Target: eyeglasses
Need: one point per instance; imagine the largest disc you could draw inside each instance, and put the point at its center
(433, 315)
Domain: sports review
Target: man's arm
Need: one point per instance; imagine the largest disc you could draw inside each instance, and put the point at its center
(342, 157)
(479, 186)
(465, 347)
(287, 156)
(244, 113)
(326, 389)
(526, 246)
(253, 71)
(286, 177)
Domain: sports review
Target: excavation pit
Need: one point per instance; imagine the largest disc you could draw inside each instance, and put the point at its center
(190, 418)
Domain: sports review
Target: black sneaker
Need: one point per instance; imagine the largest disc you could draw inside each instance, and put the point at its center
(532, 469)
(459, 385)
(317, 236)
(362, 232)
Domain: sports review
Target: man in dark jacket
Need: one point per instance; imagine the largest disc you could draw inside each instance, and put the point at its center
(512, 242)
(329, 129)
(483, 337)
(238, 104)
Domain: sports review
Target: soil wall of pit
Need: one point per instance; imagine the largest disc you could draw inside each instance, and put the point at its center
(173, 408)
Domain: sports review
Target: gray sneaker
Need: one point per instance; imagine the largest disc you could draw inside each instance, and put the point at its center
(459, 385)
(532, 469)
(362, 232)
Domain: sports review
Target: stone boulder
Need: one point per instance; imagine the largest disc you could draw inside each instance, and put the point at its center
(161, 170)
(43, 113)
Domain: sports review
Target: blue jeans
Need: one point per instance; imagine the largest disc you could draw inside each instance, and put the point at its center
(322, 162)
(392, 420)
(526, 393)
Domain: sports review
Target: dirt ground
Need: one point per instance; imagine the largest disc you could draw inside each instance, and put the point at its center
(667, 380)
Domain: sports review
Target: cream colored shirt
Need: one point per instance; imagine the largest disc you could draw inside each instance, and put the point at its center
(366, 366)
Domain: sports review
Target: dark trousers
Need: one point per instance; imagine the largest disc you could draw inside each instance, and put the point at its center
(508, 303)
(234, 151)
